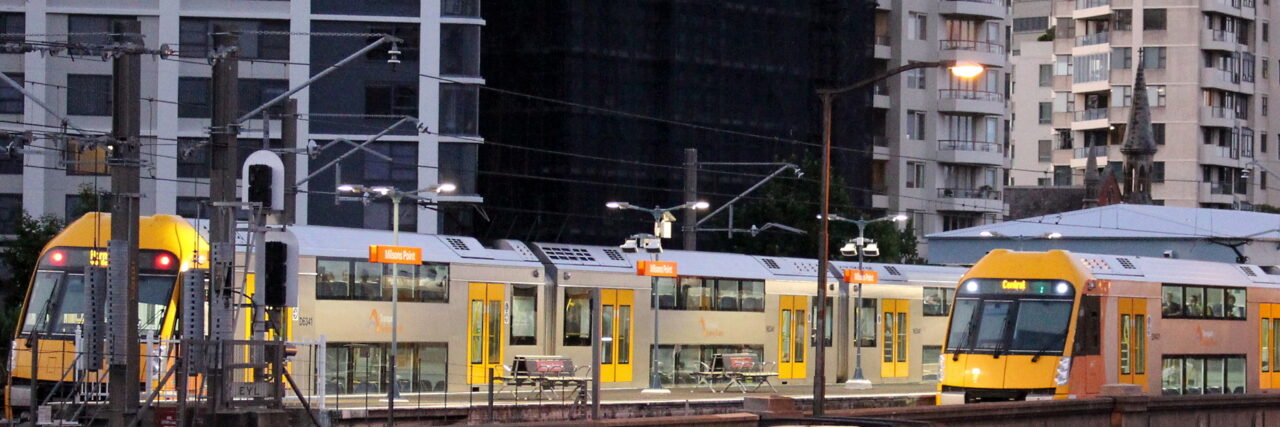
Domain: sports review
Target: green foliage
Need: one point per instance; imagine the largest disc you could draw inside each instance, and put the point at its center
(88, 200)
(1048, 35)
(1264, 208)
(20, 256)
(794, 202)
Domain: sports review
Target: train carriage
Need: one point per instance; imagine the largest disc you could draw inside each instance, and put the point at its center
(1044, 325)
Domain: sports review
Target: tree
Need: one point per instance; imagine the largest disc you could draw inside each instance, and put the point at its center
(794, 202)
(88, 200)
(20, 256)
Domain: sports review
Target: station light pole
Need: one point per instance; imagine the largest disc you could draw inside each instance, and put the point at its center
(859, 245)
(827, 96)
(662, 220)
(395, 196)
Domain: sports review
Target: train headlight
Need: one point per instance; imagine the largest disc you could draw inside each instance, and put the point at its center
(971, 286)
(1063, 372)
(942, 367)
(1062, 287)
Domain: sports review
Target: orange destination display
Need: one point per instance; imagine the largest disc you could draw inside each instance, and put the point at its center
(395, 254)
(656, 268)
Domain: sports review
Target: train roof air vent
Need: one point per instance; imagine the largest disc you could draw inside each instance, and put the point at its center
(1096, 263)
(769, 262)
(1248, 271)
(457, 243)
(614, 254)
(807, 267)
(560, 253)
(1126, 263)
(893, 271)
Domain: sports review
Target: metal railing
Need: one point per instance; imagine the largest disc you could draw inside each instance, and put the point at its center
(1228, 76)
(973, 45)
(1092, 114)
(974, 95)
(880, 140)
(1084, 152)
(1226, 151)
(1095, 38)
(1085, 4)
(969, 145)
(969, 193)
(1220, 187)
(1223, 36)
(1218, 112)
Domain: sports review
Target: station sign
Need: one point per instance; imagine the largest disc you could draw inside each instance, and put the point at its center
(656, 268)
(395, 254)
(867, 277)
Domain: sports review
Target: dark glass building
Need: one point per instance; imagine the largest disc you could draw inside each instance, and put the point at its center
(746, 66)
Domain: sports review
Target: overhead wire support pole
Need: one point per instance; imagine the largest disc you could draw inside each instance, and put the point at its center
(360, 53)
(222, 188)
(123, 371)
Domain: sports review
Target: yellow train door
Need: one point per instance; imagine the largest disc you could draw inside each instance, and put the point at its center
(484, 331)
(617, 326)
(792, 334)
(1269, 336)
(893, 314)
(1133, 341)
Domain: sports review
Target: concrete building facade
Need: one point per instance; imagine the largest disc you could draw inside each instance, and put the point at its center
(941, 142)
(1209, 69)
(1031, 57)
(283, 43)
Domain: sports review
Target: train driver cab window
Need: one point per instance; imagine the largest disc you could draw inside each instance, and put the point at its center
(1203, 302)
(524, 315)
(577, 317)
(937, 301)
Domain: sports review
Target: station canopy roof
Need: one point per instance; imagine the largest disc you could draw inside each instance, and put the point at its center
(1123, 221)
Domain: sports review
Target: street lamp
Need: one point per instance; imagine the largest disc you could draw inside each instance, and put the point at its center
(652, 243)
(395, 195)
(860, 247)
(966, 71)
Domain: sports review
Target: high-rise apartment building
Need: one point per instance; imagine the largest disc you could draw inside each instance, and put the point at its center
(940, 140)
(282, 44)
(1210, 67)
(1031, 59)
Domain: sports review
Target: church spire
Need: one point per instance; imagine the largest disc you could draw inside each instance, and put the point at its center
(1139, 143)
(1091, 179)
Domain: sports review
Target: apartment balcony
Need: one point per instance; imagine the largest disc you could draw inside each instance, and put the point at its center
(1093, 39)
(884, 4)
(1221, 40)
(969, 199)
(970, 152)
(883, 51)
(970, 101)
(981, 52)
(1238, 8)
(1217, 116)
(986, 8)
(1093, 118)
(880, 95)
(1080, 156)
(1220, 155)
(1225, 80)
(1091, 9)
(1217, 192)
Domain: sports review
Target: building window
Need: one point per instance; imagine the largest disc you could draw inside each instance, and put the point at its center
(459, 109)
(195, 102)
(1154, 19)
(937, 301)
(1156, 95)
(915, 125)
(460, 50)
(392, 99)
(1062, 176)
(1157, 172)
(1043, 182)
(11, 100)
(1121, 58)
(1091, 68)
(1266, 68)
(577, 317)
(1266, 31)
(195, 38)
(1046, 75)
(88, 95)
(915, 175)
(360, 368)
(1153, 58)
(92, 32)
(957, 221)
(1045, 150)
(916, 79)
(917, 26)
(1264, 106)
(524, 315)
(10, 212)
(1157, 133)
(351, 279)
(462, 8)
(193, 207)
(457, 165)
(1122, 19)
(1203, 302)
(1046, 113)
(1031, 24)
(1198, 374)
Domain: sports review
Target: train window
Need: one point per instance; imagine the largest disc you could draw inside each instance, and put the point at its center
(813, 307)
(866, 323)
(728, 294)
(333, 279)
(1199, 374)
(753, 295)
(1203, 302)
(666, 292)
(524, 315)
(577, 317)
(352, 279)
(366, 281)
(937, 301)
(352, 368)
(696, 293)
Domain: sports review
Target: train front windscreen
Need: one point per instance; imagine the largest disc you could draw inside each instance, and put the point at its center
(57, 304)
(1011, 316)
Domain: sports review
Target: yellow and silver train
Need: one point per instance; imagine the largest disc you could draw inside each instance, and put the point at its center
(54, 305)
(1057, 325)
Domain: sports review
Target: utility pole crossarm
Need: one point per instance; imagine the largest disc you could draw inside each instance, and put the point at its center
(256, 111)
(356, 148)
(744, 193)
